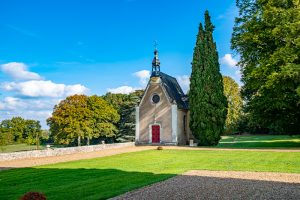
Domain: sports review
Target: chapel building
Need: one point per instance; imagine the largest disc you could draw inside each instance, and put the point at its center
(162, 116)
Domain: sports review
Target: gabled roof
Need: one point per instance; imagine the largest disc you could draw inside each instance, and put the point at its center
(174, 90)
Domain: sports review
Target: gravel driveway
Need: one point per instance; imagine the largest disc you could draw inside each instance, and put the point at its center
(222, 185)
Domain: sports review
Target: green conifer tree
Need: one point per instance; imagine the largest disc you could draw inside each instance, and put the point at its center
(208, 105)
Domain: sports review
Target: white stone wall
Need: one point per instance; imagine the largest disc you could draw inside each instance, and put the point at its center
(61, 151)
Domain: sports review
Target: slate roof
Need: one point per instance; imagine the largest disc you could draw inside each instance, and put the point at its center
(174, 90)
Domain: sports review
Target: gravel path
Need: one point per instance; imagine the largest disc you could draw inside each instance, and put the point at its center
(222, 185)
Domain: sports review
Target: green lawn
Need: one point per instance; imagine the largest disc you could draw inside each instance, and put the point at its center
(260, 141)
(252, 141)
(18, 147)
(106, 177)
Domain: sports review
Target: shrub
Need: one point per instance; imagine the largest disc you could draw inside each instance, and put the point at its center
(33, 196)
(160, 148)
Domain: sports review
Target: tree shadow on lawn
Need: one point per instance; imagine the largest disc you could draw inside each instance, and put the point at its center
(73, 183)
(260, 144)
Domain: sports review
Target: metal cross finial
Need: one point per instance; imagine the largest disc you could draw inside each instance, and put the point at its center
(155, 44)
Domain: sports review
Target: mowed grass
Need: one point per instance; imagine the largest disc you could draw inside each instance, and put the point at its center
(18, 147)
(236, 141)
(106, 177)
(260, 141)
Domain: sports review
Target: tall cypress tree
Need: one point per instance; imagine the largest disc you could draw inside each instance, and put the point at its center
(208, 105)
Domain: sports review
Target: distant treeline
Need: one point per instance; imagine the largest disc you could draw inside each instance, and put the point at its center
(81, 119)
(19, 130)
(77, 120)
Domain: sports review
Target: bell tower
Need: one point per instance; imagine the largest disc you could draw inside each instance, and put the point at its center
(155, 62)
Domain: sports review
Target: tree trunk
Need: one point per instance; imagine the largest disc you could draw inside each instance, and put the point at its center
(37, 141)
(88, 141)
(79, 142)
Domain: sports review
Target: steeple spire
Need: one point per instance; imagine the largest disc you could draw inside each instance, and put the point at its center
(155, 62)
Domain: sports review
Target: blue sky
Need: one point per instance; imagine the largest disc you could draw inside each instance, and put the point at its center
(51, 49)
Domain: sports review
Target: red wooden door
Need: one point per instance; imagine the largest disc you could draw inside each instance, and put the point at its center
(155, 134)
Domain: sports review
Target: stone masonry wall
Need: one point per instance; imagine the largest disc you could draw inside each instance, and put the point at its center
(60, 151)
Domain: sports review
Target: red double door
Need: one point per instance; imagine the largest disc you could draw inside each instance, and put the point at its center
(155, 134)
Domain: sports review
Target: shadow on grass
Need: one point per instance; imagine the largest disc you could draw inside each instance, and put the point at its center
(73, 183)
(260, 141)
(201, 187)
(260, 144)
(5, 168)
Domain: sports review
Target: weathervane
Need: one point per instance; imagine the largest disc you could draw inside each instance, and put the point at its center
(155, 44)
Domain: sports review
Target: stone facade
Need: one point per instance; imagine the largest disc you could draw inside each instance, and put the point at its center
(173, 121)
(150, 114)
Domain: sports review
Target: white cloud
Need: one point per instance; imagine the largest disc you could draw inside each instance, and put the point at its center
(19, 71)
(238, 73)
(184, 82)
(122, 90)
(38, 96)
(228, 60)
(11, 103)
(144, 76)
(18, 104)
(75, 89)
(37, 109)
(238, 76)
(40, 88)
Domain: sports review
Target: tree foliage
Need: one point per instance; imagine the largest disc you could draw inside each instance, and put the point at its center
(19, 130)
(104, 117)
(70, 119)
(125, 105)
(33, 132)
(79, 117)
(206, 97)
(234, 99)
(266, 35)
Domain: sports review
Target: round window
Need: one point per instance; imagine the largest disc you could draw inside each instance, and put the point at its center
(155, 98)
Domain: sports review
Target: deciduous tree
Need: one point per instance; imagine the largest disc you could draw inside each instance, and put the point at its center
(33, 132)
(234, 99)
(79, 116)
(19, 130)
(125, 105)
(104, 117)
(266, 35)
(70, 119)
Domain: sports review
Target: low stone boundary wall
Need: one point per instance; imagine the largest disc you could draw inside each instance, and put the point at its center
(61, 151)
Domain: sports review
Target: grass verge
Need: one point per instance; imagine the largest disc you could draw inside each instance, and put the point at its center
(18, 147)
